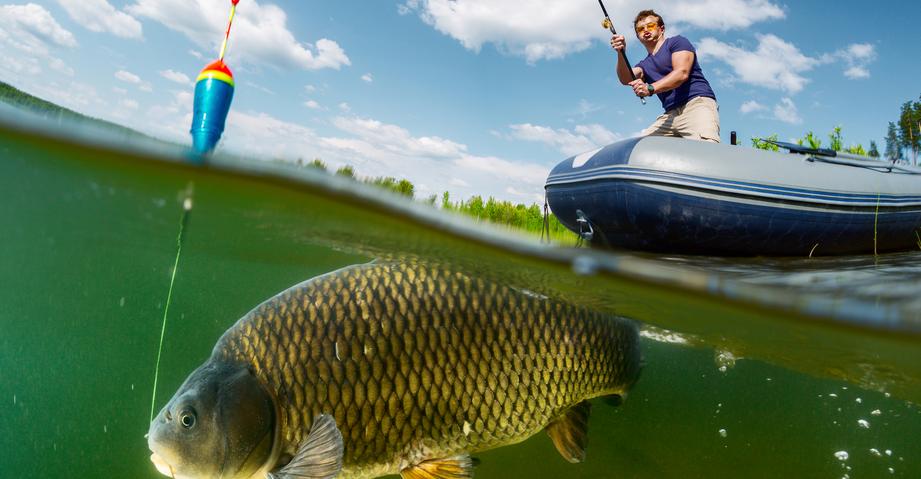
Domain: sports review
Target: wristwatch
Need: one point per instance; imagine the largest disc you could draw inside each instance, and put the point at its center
(651, 88)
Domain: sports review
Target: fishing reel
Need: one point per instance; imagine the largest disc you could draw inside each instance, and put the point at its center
(606, 23)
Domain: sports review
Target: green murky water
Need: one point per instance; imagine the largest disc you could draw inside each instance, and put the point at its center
(753, 368)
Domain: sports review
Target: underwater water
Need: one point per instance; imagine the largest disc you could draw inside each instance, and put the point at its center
(753, 368)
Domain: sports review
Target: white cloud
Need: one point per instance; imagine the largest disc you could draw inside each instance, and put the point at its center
(129, 104)
(367, 78)
(786, 112)
(312, 104)
(569, 142)
(133, 79)
(28, 35)
(310, 88)
(528, 173)
(723, 14)
(775, 64)
(268, 39)
(857, 73)
(751, 106)
(398, 139)
(586, 108)
(60, 66)
(779, 65)
(345, 107)
(171, 119)
(857, 57)
(375, 148)
(551, 29)
(176, 77)
(36, 24)
(100, 16)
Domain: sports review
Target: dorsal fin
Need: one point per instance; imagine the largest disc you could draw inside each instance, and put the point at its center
(320, 454)
(569, 432)
(455, 467)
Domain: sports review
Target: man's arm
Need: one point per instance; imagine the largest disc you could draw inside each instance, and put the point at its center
(618, 42)
(681, 69)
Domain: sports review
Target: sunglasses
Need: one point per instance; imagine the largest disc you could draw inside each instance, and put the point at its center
(649, 27)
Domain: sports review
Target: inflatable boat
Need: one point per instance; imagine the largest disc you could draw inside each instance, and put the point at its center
(691, 197)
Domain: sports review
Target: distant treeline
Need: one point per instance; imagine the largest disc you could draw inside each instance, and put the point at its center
(24, 101)
(903, 138)
(514, 215)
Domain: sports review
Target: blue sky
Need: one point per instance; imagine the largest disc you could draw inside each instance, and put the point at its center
(469, 96)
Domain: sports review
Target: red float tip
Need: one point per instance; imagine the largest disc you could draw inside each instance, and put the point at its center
(235, 2)
(220, 66)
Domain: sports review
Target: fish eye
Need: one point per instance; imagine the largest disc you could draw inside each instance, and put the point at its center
(187, 418)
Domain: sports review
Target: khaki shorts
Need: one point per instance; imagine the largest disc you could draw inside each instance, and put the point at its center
(698, 119)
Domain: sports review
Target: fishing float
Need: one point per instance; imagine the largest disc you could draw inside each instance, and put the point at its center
(213, 95)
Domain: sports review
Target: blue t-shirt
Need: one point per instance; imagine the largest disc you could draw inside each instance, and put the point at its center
(657, 66)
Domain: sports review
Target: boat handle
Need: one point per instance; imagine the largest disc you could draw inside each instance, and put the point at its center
(585, 226)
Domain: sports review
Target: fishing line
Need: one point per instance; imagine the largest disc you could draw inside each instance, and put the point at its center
(186, 207)
(233, 11)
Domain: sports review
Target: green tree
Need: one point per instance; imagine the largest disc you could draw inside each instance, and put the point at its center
(810, 140)
(405, 188)
(856, 150)
(763, 144)
(836, 139)
(446, 201)
(893, 146)
(318, 164)
(874, 151)
(910, 128)
(346, 171)
(475, 206)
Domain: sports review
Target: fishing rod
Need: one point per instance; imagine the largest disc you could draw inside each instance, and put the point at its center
(607, 23)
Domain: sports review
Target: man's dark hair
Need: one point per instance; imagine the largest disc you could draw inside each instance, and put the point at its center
(646, 13)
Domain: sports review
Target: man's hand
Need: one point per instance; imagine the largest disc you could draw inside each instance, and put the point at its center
(639, 88)
(618, 42)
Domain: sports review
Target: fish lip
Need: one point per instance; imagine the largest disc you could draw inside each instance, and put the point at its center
(162, 466)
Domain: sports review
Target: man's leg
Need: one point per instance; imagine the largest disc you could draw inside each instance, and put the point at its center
(663, 126)
(699, 119)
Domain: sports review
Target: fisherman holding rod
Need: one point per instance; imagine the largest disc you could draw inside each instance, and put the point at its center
(672, 72)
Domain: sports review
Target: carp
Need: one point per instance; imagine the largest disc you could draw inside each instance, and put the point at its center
(393, 368)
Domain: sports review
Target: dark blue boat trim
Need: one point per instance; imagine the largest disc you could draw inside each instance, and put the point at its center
(622, 172)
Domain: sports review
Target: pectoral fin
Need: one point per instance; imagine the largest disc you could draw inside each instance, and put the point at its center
(320, 454)
(456, 467)
(569, 432)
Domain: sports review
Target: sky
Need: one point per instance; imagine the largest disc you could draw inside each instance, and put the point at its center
(466, 96)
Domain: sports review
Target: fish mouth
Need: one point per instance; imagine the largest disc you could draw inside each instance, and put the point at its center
(162, 466)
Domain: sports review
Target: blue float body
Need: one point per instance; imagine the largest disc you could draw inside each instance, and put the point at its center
(209, 113)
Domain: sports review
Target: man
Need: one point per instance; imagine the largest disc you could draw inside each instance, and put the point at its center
(672, 72)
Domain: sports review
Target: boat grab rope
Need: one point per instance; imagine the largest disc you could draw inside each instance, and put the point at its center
(880, 166)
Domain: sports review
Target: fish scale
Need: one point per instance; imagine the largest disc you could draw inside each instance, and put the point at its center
(418, 362)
